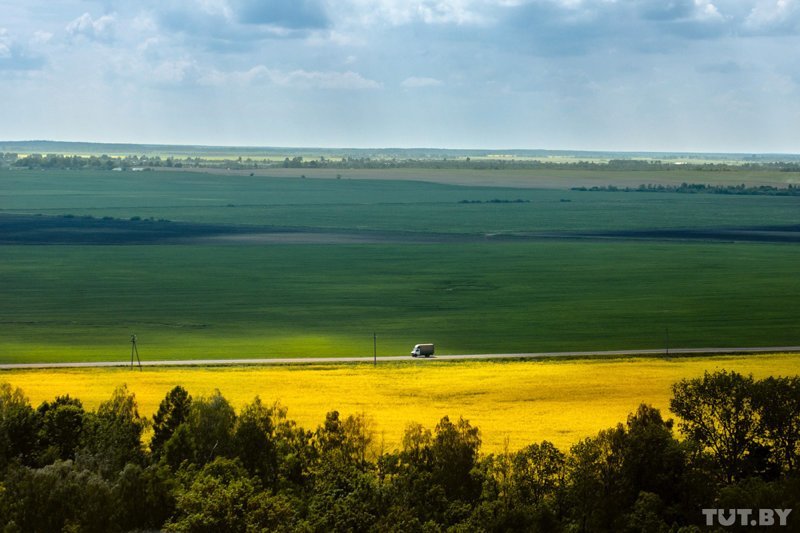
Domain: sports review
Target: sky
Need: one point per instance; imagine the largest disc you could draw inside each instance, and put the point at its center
(635, 75)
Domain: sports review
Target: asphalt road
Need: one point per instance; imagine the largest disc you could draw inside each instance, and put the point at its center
(384, 359)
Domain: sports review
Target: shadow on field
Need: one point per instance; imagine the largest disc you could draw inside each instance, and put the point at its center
(87, 230)
(788, 234)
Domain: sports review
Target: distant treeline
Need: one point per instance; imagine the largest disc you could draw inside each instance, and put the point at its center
(208, 468)
(695, 188)
(92, 162)
(106, 162)
(496, 201)
(258, 152)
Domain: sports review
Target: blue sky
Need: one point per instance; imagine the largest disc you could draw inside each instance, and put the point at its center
(661, 75)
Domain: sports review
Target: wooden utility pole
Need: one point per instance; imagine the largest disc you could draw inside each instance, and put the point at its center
(135, 350)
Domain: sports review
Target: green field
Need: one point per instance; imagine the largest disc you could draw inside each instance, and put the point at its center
(390, 204)
(561, 280)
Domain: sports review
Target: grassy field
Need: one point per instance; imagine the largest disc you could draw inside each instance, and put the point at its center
(434, 269)
(523, 402)
(535, 178)
(82, 302)
(379, 204)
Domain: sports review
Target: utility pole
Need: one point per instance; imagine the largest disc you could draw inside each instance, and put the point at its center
(374, 349)
(666, 334)
(135, 350)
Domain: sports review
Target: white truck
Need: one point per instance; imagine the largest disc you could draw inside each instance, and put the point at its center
(422, 350)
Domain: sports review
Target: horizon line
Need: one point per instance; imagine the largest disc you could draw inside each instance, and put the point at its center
(398, 148)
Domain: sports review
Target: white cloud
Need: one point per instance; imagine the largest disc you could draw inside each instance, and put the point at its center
(320, 79)
(337, 38)
(705, 9)
(215, 7)
(16, 56)
(774, 13)
(41, 37)
(181, 71)
(400, 12)
(101, 29)
(176, 72)
(144, 23)
(150, 46)
(414, 82)
(326, 80)
(5, 43)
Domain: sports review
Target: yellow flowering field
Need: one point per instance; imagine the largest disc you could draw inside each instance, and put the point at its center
(518, 402)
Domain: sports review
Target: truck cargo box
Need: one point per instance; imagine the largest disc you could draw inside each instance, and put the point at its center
(422, 350)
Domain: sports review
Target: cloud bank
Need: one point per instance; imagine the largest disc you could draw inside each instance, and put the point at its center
(706, 75)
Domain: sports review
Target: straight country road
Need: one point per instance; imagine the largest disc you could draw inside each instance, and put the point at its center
(385, 359)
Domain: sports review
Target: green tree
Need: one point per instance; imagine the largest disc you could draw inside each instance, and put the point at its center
(344, 498)
(180, 448)
(172, 412)
(519, 491)
(210, 427)
(254, 441)
(347, 440)
(276, 513)
(294, 450)
(345, 493)
(538, 472)
(144, 497)
(414, 497)
(216, 499)
(454, 455)
(417, 441)
(19, 425)
(113, 435)
(718, 411)
(595, 498)
(778, 403)
(653, 461)
(638, 467)
(646, 515)
(61, 428)
(57, 497)
(755, 493)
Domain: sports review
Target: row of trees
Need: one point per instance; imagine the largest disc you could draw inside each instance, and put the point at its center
(208, 468)
(92, 162)
(695, 188)
(508, 163)
(106, 162)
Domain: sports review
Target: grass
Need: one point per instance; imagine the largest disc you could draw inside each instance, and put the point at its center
(376, 204)
(523, 402)
(534, 178)
(83, 302)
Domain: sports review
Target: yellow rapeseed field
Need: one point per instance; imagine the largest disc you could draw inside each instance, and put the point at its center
(518, 402)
